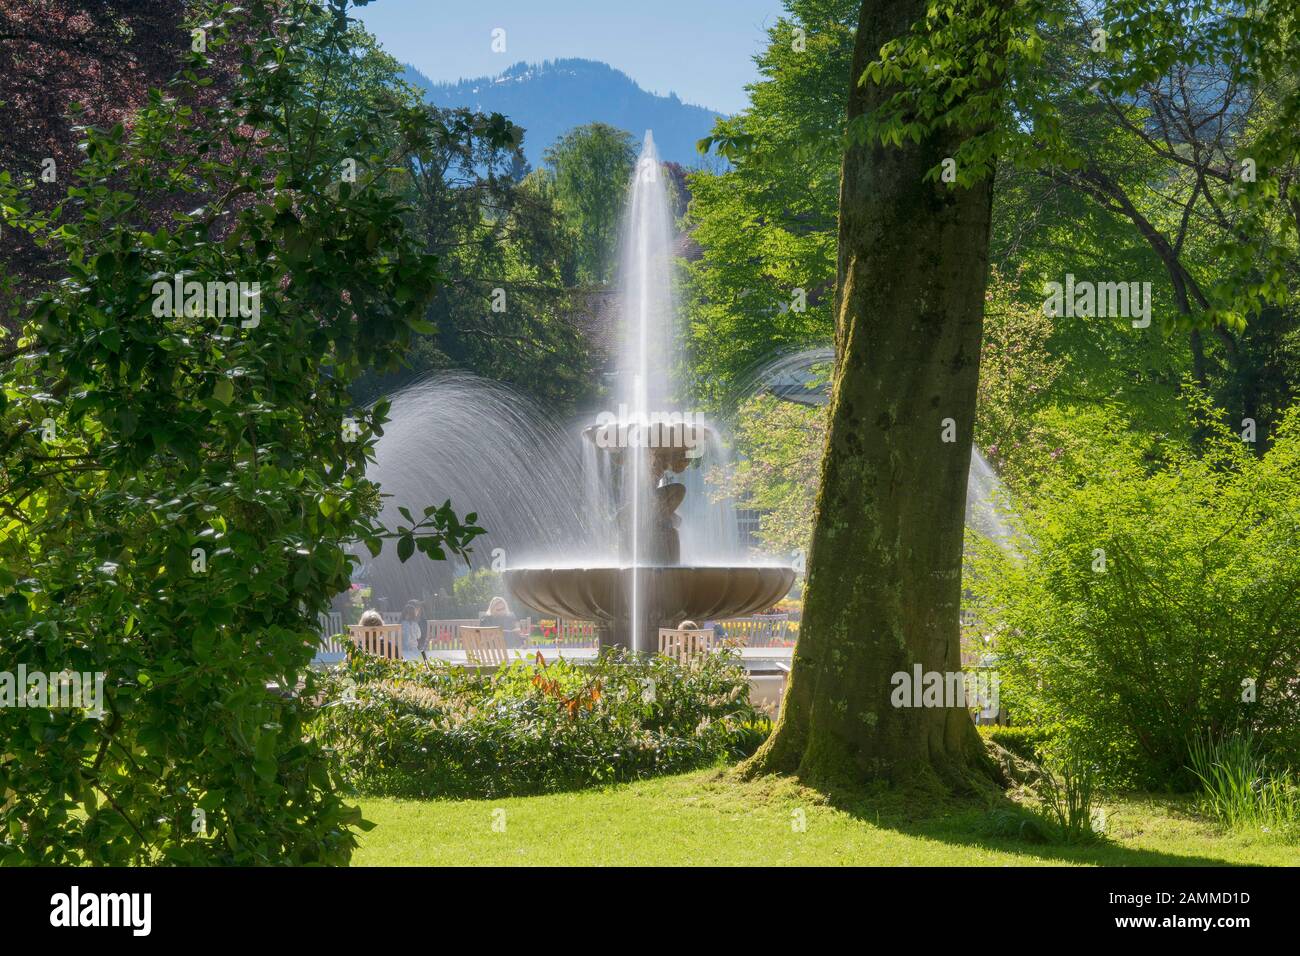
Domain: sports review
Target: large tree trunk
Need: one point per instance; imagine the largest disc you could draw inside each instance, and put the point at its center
(884, 572)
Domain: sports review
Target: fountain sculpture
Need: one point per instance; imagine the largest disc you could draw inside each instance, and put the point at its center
(650, 585)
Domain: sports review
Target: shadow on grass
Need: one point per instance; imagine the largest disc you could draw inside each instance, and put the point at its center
(993, 822)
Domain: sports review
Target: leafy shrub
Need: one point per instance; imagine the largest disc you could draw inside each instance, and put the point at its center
(425, 729)
(1148, 603)
(472, 592)
(1237, 788)
(1025, 742)
(181, 490)
(750, 736)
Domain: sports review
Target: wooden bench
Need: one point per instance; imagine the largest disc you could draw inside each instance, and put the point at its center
(573, 633)
(442, 633)
(381, 640)
(685, 644)
(760, 630)
(484, 645)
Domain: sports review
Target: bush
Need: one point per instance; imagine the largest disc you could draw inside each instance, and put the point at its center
(1025, 742)
(1147, 604)
(183, 488)
(472, 592)
(425, 729)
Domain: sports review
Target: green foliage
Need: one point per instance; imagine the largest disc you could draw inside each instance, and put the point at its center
(950, 71)
(589, 170)
(504, 311)
(489, 230)
(426, 729)
(180, 489)
(767, 226)
(1017, 372)
(777, 468)
(1152, 184)
(1237, 787)
(1151, 601)
(1067, 788)
(1027, 743)
(1057, 94)
(473, 591)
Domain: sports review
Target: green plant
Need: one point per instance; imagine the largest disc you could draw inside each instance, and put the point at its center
(587, 170)
(1237, 788)
(1067, 788)
(1025, 742)
(472, 592)
(749, 736)
(181, 484)
(426, 729)
(1147, 601)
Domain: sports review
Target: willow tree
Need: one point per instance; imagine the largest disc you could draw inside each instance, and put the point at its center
(937, 91)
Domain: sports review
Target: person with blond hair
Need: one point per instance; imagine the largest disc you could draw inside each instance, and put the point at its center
(498, 615)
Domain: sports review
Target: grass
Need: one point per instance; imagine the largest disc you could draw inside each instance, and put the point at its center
(710, 818)
(1237, 787)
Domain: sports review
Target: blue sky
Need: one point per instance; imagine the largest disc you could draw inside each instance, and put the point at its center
(699, 49)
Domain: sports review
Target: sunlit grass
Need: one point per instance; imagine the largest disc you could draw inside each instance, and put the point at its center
(709, 818)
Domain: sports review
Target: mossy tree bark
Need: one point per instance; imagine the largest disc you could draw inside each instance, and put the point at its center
(884, 571)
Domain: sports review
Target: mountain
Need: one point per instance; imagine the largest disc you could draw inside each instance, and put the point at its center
(549, 99)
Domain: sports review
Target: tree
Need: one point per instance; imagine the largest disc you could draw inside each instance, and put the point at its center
(945, 91)
(779, 442)
(766, 226)
(590, 167)
(884, 571)
(65, 63)
(182, 480)
(1167, 153)
(1110, 171)
(506, 308)
(506, 311)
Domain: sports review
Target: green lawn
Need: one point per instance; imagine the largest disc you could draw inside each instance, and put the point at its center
(708, 818)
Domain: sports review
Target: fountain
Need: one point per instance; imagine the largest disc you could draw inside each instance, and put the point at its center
(638, 451)
(650, 588)
(604, 518)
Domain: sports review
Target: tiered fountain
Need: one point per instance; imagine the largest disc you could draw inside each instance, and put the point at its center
(639, 451)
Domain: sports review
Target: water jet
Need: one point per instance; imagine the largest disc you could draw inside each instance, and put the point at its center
(655, 581)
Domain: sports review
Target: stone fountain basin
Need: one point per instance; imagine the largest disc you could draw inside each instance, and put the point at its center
(697, 593)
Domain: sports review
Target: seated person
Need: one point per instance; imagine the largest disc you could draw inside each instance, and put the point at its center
(498, 615)
(412, 633)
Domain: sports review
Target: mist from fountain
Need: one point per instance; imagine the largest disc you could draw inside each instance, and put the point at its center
(492, 451)
(803, 377)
